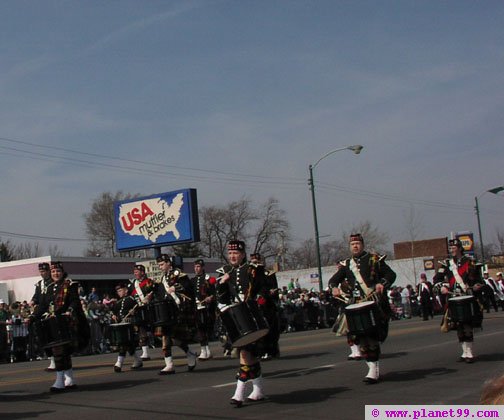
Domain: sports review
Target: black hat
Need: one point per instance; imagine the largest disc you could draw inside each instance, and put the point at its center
(356, 237)
(43, 266)
(121, 285)
(56, 265)
(164, 257)
(139, 267)
(199, 261)
(236, 246)
(455, 242)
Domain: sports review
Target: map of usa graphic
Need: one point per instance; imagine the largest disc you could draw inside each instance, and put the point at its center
(151, 218)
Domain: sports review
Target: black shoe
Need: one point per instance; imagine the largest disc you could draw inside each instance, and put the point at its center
(354, 358)
(140, 366)
(370, 381)
(117, 369)
(70, 387)
(469, 359)
(191, 368)
(57, 390)
(166, 372)
(48, 369)
(145, 359)
(236, 403)
(461, 359)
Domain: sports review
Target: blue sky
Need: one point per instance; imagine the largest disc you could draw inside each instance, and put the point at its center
(237, 98)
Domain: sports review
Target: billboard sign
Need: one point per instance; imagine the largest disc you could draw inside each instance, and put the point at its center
(158, 220)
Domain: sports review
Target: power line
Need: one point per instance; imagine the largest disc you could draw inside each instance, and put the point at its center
(154, 164)
(46, 238)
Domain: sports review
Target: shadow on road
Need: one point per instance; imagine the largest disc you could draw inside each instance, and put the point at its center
(393, 355)
(305, 396)
(297, 373)
(494, 357)
(118, 384)
(25, 415)
(302, 356)
(414, 375)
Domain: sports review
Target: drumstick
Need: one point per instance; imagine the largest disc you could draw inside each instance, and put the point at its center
(341, 299)
(132, 310)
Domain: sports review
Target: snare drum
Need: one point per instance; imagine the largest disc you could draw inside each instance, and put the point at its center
(122, 334)
(244, 323)
(463, 309)
(143, 315)
(54, 331)
(362, 318)
(164, 313)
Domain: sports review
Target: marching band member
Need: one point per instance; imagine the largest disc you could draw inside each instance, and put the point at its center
(463, 279)
(268, 301)
(123, 309)
(39, 295)
(141, 288)
(204, 290)
(62, 299)
(176, 288)
(426, 297)
(239, 282)
(366, 275)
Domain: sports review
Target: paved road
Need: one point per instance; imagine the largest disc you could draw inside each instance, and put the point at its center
(311, 379)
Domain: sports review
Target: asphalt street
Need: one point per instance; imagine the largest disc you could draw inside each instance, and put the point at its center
(312, 378)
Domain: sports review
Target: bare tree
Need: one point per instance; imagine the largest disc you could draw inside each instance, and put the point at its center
(100, 227)
(11, 252)
(266, 228)
(6, 251)
(303, 256)
(500, 240)
(222, 224)
(333, 251)
(26, 250)
(271, 222)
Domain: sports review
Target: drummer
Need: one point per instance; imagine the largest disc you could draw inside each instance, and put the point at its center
(463, 278)
(141, 288)
(366, 277)
(121, 312)
(204, 290)
(268, 302)
(39, 295)
(239, 282)
(175, 288)
(62, 299)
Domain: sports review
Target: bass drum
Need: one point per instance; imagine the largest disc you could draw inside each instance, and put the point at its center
(164, 313)
(122, 334)
(54, 331)
(244, 323)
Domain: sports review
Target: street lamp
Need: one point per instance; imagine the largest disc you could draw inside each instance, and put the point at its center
(356, 149)
(495, 191)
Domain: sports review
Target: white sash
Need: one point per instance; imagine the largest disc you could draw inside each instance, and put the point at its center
(458, 279)
(139, 290)
(358, 277)
(172, 294)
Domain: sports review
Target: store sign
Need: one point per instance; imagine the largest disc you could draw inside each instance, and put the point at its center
(169, 218)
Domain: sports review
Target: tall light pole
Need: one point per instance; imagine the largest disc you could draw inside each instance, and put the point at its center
(356, 149)
(495, 191)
